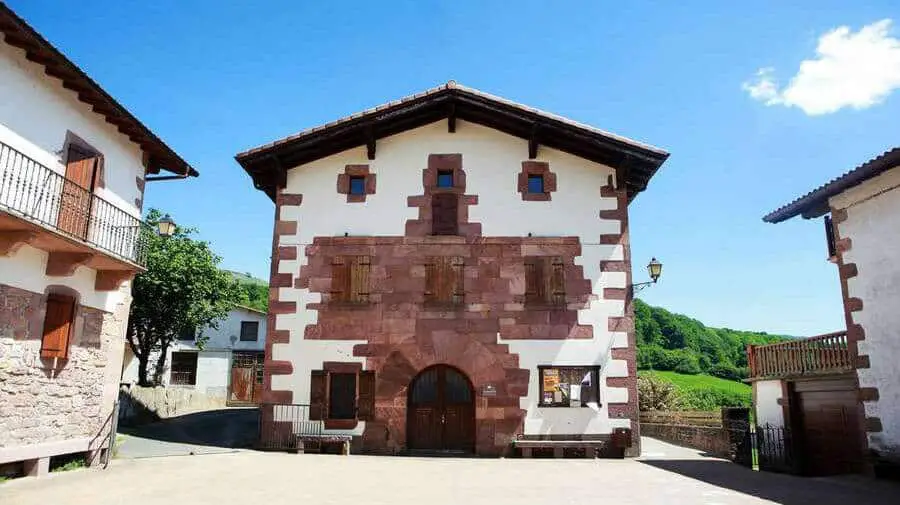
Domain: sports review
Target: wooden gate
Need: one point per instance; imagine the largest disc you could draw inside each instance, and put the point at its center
(246, 382)
(827, 425)
(441, 411)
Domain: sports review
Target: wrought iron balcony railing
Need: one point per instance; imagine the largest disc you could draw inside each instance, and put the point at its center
(41, 195)
(823, 354)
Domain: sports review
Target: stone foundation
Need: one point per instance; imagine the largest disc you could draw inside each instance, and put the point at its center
(63, 405)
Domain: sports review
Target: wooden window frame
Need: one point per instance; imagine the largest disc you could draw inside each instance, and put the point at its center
(445, 173)
(445, 281)
(247, 324)
(582, 370)
(190, 373)
(320, 395)
(545, 281)
(56, 306)
(830, 239)
(350, 280)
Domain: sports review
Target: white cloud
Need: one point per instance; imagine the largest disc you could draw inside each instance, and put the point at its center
(850, 69)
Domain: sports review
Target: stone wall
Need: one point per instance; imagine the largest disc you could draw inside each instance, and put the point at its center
(713, 440)
(43, 400)
(146, 404)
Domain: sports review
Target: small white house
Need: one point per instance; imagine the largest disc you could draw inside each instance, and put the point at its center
(228, 365)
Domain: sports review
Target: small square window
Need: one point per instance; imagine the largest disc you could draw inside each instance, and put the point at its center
(445, 179)
(535, 183)
(357, 185)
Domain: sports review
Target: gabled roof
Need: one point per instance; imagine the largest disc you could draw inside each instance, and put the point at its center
(815, 203)
(20, 34)
(267, 164)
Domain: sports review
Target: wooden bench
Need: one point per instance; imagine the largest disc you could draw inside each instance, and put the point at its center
(559, 446)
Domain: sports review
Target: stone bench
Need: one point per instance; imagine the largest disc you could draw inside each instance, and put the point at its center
(559, 446)
(324, 439)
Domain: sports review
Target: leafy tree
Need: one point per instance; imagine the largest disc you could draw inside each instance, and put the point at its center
(254, 294)
(668, 341)
(657, 394)
(181, 290)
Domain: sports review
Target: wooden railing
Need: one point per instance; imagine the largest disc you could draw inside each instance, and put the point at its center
(829, 353)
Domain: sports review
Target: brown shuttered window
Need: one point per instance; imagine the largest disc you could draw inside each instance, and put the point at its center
(58, 324)
(545, 280)
(318, 395)
(350, 279)
(184, 369)
(445, 280)
(444, 212)
(342, 396)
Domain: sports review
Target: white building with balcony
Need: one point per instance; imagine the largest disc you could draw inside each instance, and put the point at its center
(73, 164)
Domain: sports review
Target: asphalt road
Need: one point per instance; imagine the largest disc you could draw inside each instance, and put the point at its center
(211, 432)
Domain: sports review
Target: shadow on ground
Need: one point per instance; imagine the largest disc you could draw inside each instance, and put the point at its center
(225, 428)
(781, 488)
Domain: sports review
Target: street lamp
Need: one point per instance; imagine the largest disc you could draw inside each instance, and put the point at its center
(654, 268)
(166, 226)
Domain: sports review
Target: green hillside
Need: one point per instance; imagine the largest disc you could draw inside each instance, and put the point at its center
(255, 291)
(674, 342)
(705, 392)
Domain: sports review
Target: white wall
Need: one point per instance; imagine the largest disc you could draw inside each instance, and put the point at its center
(25, 270)
(492, 162)
(872, 212)
(766, 395)
(214, 360)
(37, 112)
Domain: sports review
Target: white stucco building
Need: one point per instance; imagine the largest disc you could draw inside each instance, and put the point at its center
(452, 272)
(73, 165)
(857, 384)
(227, 367)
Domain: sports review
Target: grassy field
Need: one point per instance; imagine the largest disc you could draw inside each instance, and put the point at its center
(705, 392)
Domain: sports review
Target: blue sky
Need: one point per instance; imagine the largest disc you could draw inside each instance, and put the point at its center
(213, 78)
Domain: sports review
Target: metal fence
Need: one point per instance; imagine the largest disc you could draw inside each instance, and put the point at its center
(284, 426)
(44, 196)
(768, 448)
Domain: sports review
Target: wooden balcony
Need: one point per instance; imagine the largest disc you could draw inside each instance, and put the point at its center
(822, 355)
(41, 208)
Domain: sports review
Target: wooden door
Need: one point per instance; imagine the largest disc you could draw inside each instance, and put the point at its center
(245, 385)
(78, 187)
(441, 411)
(830, 432)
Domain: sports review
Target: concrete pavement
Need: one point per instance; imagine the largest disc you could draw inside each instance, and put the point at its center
(210, 432)
(667, 474)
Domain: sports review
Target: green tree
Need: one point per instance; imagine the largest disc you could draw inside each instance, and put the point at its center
(181, 290)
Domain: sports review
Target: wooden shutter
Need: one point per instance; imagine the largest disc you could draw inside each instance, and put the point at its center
(318, 395)
(340, 279)
(365, 402)
(458, 280)
(57, 326)
(533, 280)
(444, 214)
(431, 280)
(359, 279)
(829, 238)
(78, 187)
(557, 278)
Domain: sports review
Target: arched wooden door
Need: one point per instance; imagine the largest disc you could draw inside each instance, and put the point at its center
(441, 411)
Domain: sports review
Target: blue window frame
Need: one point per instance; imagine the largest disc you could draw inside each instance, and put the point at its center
(357, 185)
(445, 179)
(535, 183)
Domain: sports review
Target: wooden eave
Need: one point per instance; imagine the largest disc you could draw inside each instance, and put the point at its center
(638, 162)
(16, 32)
